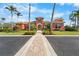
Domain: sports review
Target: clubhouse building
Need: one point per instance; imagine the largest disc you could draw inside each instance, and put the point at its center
(40, 24)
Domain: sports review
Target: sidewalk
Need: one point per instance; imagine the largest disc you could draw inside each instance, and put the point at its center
(38, 45)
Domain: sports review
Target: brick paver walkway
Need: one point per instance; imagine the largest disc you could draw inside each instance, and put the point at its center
(37, 46)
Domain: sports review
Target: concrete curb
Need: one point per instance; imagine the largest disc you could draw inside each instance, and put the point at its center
(63, 35)
(14, 35)
(32, 35)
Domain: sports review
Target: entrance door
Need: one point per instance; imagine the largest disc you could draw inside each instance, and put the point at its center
(39, 27)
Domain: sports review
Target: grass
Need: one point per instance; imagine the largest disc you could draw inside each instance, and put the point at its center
(65, 32)
(22, 32)
(13, 33)
(54, 32)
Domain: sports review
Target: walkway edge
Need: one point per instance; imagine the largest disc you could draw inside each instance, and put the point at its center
(49, 47)
(26, 46)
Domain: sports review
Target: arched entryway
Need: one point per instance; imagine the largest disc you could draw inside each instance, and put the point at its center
(39, 23)
(39, 26)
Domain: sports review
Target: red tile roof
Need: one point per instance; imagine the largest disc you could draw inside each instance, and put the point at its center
(59, 20)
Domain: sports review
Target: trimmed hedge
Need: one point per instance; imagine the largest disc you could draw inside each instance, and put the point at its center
(47, 32)
(1, 30)
(29, 33)
(6, 30)
(68, 28)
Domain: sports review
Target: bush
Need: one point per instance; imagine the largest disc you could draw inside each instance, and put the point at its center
(6, 30)
(68, 28)
(47, 32)
(57, 29)
(1, 30)
(29, 33)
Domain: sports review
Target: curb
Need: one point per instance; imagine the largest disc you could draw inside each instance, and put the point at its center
(14, 35)
(63, 35)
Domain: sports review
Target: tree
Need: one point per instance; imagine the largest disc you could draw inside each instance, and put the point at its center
(18, 14)
(52, 14)
(71, 17)
(74, 17)
(2, 22)
(12, 9)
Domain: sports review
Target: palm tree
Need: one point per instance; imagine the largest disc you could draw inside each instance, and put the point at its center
(12, 9)
(71, 17)
(29, 15)
(18, 14)
(2, 21)
(74, 16)
(52, 14)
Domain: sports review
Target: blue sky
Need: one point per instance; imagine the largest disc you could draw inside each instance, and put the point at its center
(62, 10)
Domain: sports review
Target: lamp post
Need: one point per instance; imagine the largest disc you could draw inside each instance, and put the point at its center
(52, 15)
(29, 15)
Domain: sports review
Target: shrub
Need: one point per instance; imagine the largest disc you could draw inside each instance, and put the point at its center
(1, 30)
(7, 30)
(57, 29)
(29, 33)
(68, 28)
(47, 32)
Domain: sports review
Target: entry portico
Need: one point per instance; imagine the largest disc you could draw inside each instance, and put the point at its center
(39, 23)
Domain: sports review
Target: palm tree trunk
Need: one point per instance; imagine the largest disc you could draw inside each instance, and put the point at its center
(29, 14)
(78, 21)
(17, 18)
(12, 18)
(11, 15)
(75, 22)
(71, 23)
(52, 15)
(2, 25)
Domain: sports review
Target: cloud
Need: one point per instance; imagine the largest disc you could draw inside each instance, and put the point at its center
(23, 8)
(34, 10)
(47, 12)
(2, 10)
(70, 4)
(62, 4)
(76, 4)
(38, 10)
(15, 19)
(58, 15)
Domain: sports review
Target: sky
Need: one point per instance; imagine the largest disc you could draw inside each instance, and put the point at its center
(62, 10)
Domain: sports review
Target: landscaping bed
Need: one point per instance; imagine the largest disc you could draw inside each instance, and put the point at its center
(29, 33)
(47, 32)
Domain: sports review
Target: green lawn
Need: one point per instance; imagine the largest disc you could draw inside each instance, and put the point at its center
(13, 33)
(66, 32)
(54, 32)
